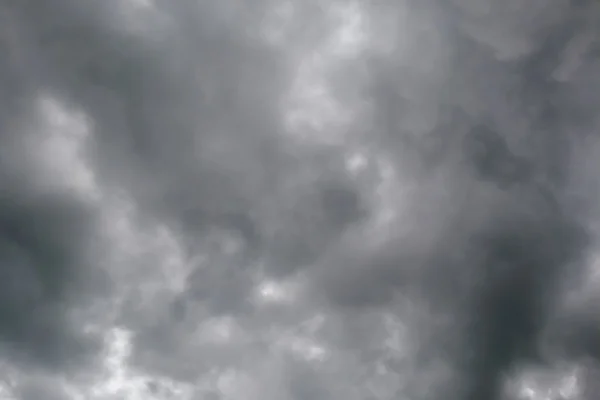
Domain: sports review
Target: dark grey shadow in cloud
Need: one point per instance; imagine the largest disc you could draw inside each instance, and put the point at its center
(492, 159)
(523, 267)
(312, 222)
(46, 236)
(44, 268)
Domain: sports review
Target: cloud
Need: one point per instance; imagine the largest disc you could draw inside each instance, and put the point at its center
(297, 200)
(47, 248)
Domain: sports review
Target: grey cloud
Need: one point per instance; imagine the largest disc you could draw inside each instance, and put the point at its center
(313, 219)
(47, 236)
(37, 389)
(47, 240)
(541, 240)
(188, 121)
(305, 383)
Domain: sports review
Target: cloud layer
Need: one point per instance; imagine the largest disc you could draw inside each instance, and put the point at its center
(298, 200)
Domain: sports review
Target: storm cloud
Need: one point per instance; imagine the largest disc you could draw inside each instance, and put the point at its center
(299, 199)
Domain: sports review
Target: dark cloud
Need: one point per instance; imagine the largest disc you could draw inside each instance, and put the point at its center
(513, 258)
(475, 116)
(47, 240)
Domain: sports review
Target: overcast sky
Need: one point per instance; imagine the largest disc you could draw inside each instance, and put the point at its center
(299, 199)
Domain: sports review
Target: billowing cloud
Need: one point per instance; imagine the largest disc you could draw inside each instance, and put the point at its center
(298, 199)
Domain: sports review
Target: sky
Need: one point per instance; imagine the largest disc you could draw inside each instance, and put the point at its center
(299, 200)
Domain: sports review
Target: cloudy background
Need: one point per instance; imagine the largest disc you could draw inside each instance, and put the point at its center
(299, 199)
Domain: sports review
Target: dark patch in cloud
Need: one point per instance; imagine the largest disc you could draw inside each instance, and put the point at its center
(508, 318)
(492, 159)
(312, 216)
(46, 240)
(47, 236)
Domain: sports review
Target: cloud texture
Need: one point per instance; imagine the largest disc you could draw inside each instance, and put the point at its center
(301, 200)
